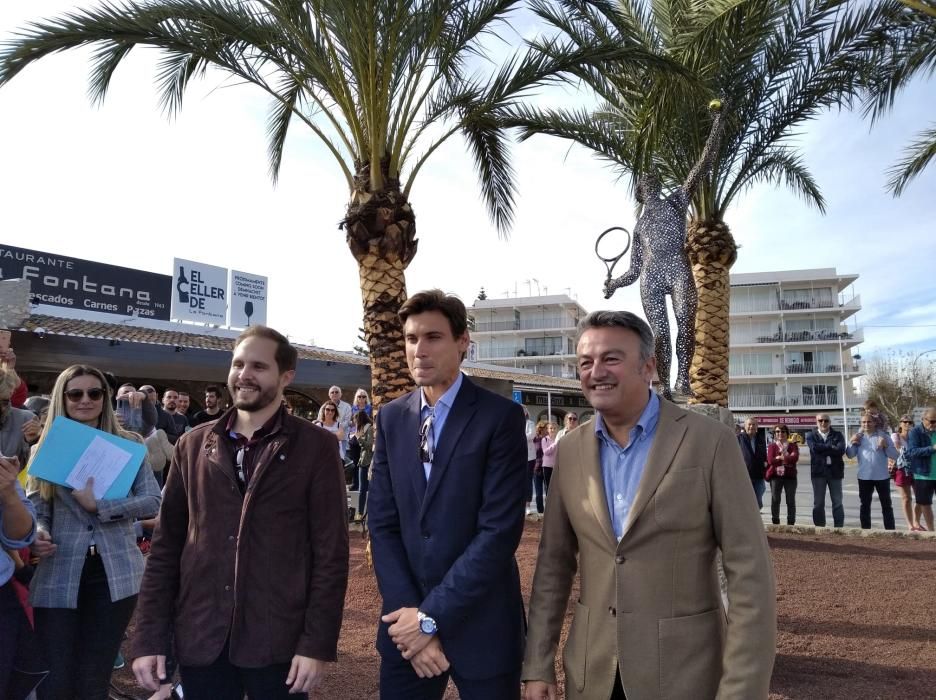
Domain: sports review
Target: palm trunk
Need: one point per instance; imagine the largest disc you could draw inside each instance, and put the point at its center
(381, 233)
(712, 252)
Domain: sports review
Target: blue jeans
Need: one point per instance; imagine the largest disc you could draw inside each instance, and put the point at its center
(819, 484)
(759, 487)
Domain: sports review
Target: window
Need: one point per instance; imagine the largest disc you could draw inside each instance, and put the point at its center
(550, 345)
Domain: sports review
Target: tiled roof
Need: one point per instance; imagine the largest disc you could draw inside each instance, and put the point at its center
(81, 328)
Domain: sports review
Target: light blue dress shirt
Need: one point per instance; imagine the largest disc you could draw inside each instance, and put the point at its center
(7, 567)
(441, 410)
(622, 467)
(872, 461)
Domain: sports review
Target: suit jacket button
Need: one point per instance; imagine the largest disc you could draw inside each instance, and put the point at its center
(619, 559)
(426, 535)
(613, 611)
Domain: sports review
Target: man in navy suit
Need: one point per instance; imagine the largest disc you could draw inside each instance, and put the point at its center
(754, 452)
(446, 512)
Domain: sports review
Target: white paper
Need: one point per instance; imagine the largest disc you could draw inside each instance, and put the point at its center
(102, 460)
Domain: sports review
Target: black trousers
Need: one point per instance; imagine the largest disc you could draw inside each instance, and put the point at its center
(222, 680)
(541, 483)
(81, 644)
(398, 681)
(779, 486)
(866, 489)
(362, 493)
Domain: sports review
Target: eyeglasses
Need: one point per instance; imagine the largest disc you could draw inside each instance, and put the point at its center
(822, 420)
(907, 421)
(75, 395)
(329, 410)
(571, 419)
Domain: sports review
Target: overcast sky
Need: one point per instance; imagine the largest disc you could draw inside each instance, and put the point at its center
(122, 184)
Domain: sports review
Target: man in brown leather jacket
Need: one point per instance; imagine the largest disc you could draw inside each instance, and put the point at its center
(247, 573)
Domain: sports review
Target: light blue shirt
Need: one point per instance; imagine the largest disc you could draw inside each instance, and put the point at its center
(441, 409)
(7, 567)
(872, 461)
(622, 467)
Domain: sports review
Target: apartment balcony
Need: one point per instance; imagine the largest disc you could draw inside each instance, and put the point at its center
(848, 339)
(533, 325)
(754, 307)
(804, 369)
(522, 358)
(767, 401)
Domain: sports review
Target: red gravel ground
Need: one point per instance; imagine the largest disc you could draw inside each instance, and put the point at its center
(855, 618)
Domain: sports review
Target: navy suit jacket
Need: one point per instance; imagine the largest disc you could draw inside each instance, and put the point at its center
(447, 547)
(756, 460)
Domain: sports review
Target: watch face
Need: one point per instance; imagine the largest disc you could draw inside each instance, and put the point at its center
(427, 625)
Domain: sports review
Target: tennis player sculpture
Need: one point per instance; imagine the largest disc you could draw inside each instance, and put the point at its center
(659, 260)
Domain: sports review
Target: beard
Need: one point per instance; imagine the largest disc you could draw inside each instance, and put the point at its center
(260, 398)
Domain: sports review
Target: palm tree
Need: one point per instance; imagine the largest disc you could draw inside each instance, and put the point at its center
(910, 51)
(382, 83)
(774, 63)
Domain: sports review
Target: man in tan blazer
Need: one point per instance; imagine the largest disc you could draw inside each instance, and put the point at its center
(642, 497)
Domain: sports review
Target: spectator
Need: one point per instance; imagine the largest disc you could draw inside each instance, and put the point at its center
(89, 571)
(134, 412)
(365, 438)
(18, 427)
(175, 424)
(531, 460)
(826, 469)
(549, 444)
(330, 422)
(183, 404)
(212, 406)
(20, 391)
(569, 423)
(902, 472)
(344, 416)
(782, 456)
(538, 466)
(755, 458)
(922, 453)
(17, 530)
(873, 447)
(361, 403)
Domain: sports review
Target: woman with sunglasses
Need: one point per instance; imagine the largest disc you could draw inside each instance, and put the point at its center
(782, 456)
(86, 584)
(903, 478)
(331, 423)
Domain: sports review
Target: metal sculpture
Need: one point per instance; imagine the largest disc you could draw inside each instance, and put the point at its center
(659, 261)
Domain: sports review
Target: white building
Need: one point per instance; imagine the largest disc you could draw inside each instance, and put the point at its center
(536, 333)
(793, 347)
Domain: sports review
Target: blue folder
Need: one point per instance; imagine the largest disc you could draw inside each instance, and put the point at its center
(66, 442)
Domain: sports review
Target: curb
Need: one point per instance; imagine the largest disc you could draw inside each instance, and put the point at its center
(848, 532)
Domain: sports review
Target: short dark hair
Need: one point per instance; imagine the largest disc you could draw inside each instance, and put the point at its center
(782, 427)
(184, 393)
(286, 355)
(620, 319)
(448, 305)
(212, 389)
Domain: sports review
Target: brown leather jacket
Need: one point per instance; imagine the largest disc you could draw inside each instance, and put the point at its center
(269, 569)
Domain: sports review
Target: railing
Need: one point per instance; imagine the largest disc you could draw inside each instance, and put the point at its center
(793, 368)
(525, 324)
(746, 306)
(798, 337)
(772, 401)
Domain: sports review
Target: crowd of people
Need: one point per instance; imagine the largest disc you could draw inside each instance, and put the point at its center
(902, 456)
(242, 590)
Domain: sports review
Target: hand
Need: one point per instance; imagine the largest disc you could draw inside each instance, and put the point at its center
(431, 661)
(856, 439)
(85, 496)
(9, 470)
(143, 670)
(539, 690)
(882, 443)
(43, 546)
(305, 674)
(31, 430)
(164, 692)
(136, 399)
(404, 631)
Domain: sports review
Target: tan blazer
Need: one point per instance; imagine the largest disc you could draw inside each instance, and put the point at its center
(650, 605)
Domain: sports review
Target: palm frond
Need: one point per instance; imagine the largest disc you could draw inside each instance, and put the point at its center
(916, 157)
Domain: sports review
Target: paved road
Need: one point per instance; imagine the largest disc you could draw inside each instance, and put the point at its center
(849, 496)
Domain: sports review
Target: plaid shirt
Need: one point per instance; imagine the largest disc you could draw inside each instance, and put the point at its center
(73, 529)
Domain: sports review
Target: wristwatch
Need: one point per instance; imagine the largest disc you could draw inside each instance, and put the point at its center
(426, 624)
